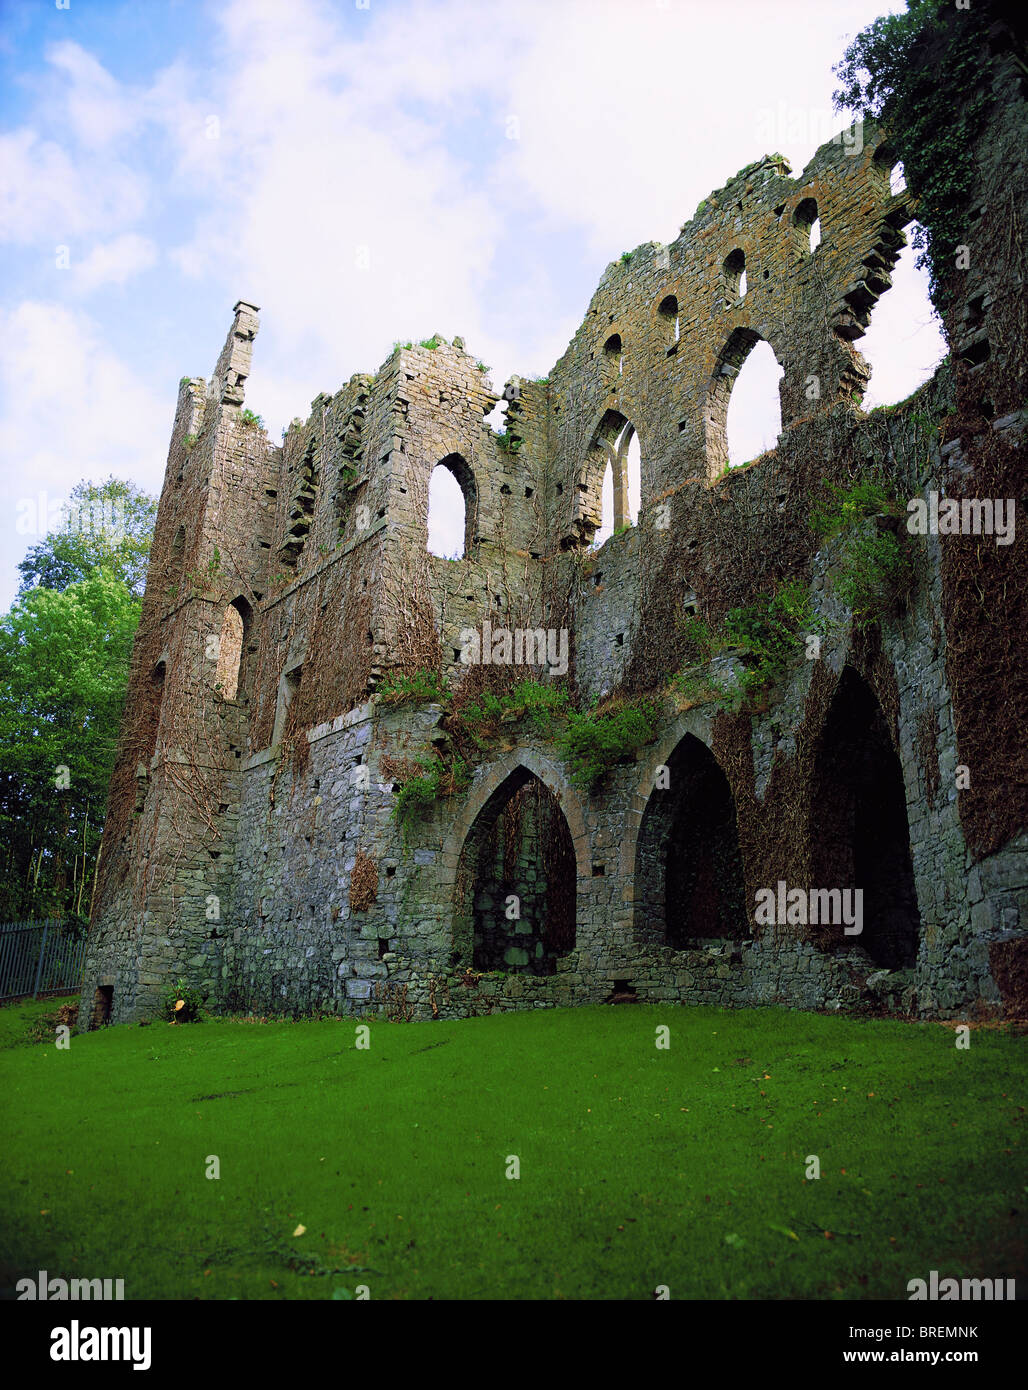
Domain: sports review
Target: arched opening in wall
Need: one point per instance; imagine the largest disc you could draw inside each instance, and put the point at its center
(614, 354)
(744, 412)
(517, 882)
(615, 465)
(235, 631)
(452, 508)
(808, 224)
(904, 342)
(103, 1007)
(858, 824)
(897, 180)
(689, 884)
(606, 508)
(734, 274)
(670, 320)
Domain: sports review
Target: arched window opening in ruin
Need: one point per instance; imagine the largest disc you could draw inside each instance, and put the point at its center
(613, 352)
(897, 180)
(517, 882)
(606, 508)
(235, 631)
(808, 223)
(616, 449)
(688, 868)
(452, 502)
(744, 412)
(858, 827)
(734, 271)
(903, 343)
(670, 319)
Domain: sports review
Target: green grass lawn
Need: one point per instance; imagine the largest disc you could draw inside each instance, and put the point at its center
(639, 1167)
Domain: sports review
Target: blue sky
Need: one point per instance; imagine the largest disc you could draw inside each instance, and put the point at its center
(364, 173)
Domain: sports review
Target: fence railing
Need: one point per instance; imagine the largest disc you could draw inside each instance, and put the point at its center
(38, 958)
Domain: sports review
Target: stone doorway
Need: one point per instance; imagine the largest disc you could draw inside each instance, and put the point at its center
(517, 881)
(858, 827)
(689, 879)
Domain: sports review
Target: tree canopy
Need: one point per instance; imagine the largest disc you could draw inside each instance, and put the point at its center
(65, 648)
(106, 526)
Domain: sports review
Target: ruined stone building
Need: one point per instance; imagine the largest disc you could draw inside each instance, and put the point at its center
(251, 848)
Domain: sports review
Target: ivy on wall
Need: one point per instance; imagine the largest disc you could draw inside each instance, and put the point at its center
(922, 76)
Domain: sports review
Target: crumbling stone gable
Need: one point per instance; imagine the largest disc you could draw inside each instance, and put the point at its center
(238, 826)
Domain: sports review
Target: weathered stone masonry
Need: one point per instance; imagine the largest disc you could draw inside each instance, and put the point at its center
(258, 768)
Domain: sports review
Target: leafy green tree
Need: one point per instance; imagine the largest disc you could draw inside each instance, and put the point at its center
(64, 659)
(65, 647)
(106, 526)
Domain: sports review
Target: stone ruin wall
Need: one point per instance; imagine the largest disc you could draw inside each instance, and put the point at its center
(256, 804)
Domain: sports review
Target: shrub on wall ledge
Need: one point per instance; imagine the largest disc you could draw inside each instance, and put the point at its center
(595, 741)
(873, 570)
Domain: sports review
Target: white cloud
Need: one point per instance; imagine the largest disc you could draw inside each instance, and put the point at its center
(47, 195)
(70, 408)
(114, 262)
(97, 108)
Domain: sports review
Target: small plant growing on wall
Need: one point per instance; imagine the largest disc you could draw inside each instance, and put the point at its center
(438, 779)
(538, 704)
(204, 579)
(595, 741)
(873, 571)
(422, 686)
(766, 634)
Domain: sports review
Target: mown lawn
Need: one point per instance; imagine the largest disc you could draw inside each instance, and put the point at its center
(639, 1167)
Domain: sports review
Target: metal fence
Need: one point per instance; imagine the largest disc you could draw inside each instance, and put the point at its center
(39, 958)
